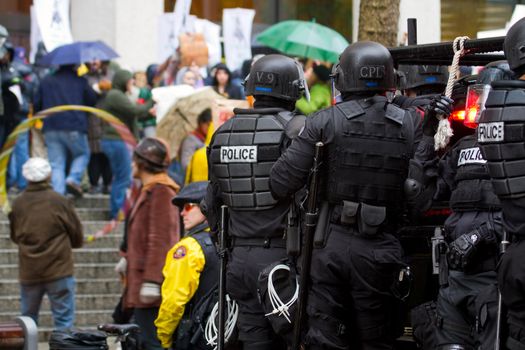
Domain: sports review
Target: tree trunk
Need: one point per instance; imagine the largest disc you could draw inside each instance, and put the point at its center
(378, 21)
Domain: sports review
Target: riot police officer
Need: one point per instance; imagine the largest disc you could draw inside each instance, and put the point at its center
(371, 148)
(473, 231)
(501, 141)
(419, 84)
(240, 157)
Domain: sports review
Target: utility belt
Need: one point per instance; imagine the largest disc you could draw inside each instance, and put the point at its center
(263, 242)
(482, 261)
(366, 220)
(488, 264)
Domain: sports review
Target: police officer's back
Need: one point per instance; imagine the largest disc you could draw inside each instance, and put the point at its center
(240, 156)
(473, 232)
(501, 141)
(369, 145)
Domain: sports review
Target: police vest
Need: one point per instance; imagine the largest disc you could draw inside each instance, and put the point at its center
(500, 134)
(369, 159)
(243, 153)
(473, 186)
(209, 276)
(189, 333)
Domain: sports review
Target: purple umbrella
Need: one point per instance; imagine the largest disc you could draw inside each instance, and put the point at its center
(78, 52)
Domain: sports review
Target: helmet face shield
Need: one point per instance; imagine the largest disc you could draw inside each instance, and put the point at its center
(476, 97)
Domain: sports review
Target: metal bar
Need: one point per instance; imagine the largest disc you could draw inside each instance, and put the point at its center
(467, 60)
(412, 31)
(445, 49)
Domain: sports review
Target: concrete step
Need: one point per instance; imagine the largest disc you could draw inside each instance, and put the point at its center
(111, 240)
(84, 286)
(87, 201)
(82, 255)
(88, 302)
(89, 227)
(82, 270)
(82, 317)
(92, 201)
(89, 214)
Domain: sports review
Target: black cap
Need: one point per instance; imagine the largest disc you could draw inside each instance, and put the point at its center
(154, 151)
(191, 193)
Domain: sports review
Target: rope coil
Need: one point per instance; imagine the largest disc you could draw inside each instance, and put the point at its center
(444, 131)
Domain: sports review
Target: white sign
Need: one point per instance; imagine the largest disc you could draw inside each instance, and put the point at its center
(53, 21)
(212, 35)
(491, 132)
(167, 96)
(237, 33)
(35, 36)
(471, 156)
(181, 23)
(239, 154)
(166, 37)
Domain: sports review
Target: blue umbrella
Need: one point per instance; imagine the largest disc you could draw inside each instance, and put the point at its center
(78, 52)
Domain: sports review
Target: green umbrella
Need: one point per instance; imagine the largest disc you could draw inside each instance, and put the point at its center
(305, 39)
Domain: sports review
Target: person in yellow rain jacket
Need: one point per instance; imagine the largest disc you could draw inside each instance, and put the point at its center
(190, 277)
(197, 169)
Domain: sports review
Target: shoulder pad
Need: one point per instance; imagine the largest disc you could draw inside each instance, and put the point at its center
(395, 113)
(399, 100)
(351, 109)
(292, 123)
(295, 126)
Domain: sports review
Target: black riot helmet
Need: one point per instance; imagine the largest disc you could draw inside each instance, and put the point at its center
(494, 71)
(365, 66)
(514, 47)
(277, 76)
(422, 77)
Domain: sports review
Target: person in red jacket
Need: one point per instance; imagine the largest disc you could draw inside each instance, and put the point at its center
(153, 227)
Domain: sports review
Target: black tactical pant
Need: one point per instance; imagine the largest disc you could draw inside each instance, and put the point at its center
(511, 278)
(467, 309)
(350, 303)
(244, 266)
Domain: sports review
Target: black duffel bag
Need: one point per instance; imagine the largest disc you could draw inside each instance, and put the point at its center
(77, 339)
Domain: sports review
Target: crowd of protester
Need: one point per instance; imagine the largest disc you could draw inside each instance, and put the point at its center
(87, 155)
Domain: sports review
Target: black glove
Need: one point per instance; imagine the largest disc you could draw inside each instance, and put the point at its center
(440, 105)
(462, 249)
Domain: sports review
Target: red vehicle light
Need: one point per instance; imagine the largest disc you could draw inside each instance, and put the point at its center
(476, 97)
(458, 115)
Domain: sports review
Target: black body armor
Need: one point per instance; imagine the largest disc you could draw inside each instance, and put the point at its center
(374, 144)
(500, 135)
(190, 332)
(243, 152)
(473, 186)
